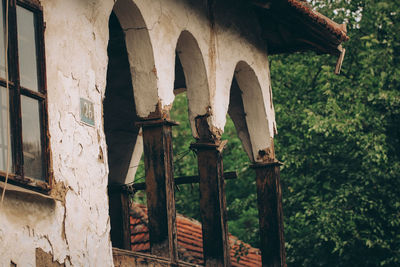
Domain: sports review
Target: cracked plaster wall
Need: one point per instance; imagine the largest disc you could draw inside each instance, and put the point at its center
(76, 231)
(222, 47)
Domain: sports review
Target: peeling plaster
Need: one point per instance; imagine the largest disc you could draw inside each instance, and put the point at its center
(76, 59)
(74, 225)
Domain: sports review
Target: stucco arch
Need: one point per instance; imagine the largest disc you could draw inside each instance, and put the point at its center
(248, 112)
(144, 85)
(141, 56)
(195, 73)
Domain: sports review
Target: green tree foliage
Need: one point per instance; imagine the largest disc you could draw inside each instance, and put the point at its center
(339, 139)
(185, 162)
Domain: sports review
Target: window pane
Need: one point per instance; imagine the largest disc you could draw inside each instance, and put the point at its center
(2, 39)
(31, 135)
(4, 131)
(27, 48)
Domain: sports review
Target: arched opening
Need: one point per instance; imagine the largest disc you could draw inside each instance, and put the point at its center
(119, 106)
(247, 120)
(191, 94)
(190, 61)
(252, 117)
(248, 112)
(241, 192)
(192, 99)
(191, 91)
(131, 94)
(238, 116)
(140, 56)
(119, 127)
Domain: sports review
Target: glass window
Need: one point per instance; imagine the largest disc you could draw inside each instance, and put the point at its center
(3, 131)
(27, 48)
(31, 137)
(2, 40)
(25, 102)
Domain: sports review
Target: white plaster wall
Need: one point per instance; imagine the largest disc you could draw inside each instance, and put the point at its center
(254, 103)
(222, 48)
(226, 64)
(76, 231)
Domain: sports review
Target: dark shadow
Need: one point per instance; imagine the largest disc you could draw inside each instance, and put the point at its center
(119, 122)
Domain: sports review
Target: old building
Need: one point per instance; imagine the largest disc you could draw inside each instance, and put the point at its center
(86, 88)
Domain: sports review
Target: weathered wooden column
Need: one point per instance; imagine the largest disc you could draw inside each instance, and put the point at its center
(119, 216)
(269, 196)
(158, 160)
(212, 199)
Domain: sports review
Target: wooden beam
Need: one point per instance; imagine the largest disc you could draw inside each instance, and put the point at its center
(119, 219)
(124, 258)
(340, 60)
(269, 198)
(180, 90)
(186, 180)
(157, 141)
(213, 205)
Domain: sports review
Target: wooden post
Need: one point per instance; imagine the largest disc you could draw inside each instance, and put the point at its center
(212, 204)
(158, 160)
(269, 196)
(119, 216)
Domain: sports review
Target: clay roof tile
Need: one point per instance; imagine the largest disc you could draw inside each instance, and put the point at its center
(338, 29)
(190, 241)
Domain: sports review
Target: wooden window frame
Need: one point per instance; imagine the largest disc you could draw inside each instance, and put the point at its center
(16, 175)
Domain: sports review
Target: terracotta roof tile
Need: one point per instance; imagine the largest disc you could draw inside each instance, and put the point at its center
(191, 247)
(144, 247)
(139, 228)
(337, 29)
(190, 241)
(290, 26)
(139, 238)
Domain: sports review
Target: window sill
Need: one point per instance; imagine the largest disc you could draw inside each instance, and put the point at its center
(26, 182)
(18, 189)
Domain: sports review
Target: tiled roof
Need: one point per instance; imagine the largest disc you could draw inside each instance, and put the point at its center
(190, 242)
(339, 30)
(292, 25)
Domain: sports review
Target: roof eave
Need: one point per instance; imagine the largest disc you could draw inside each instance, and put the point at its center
(292, 26)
